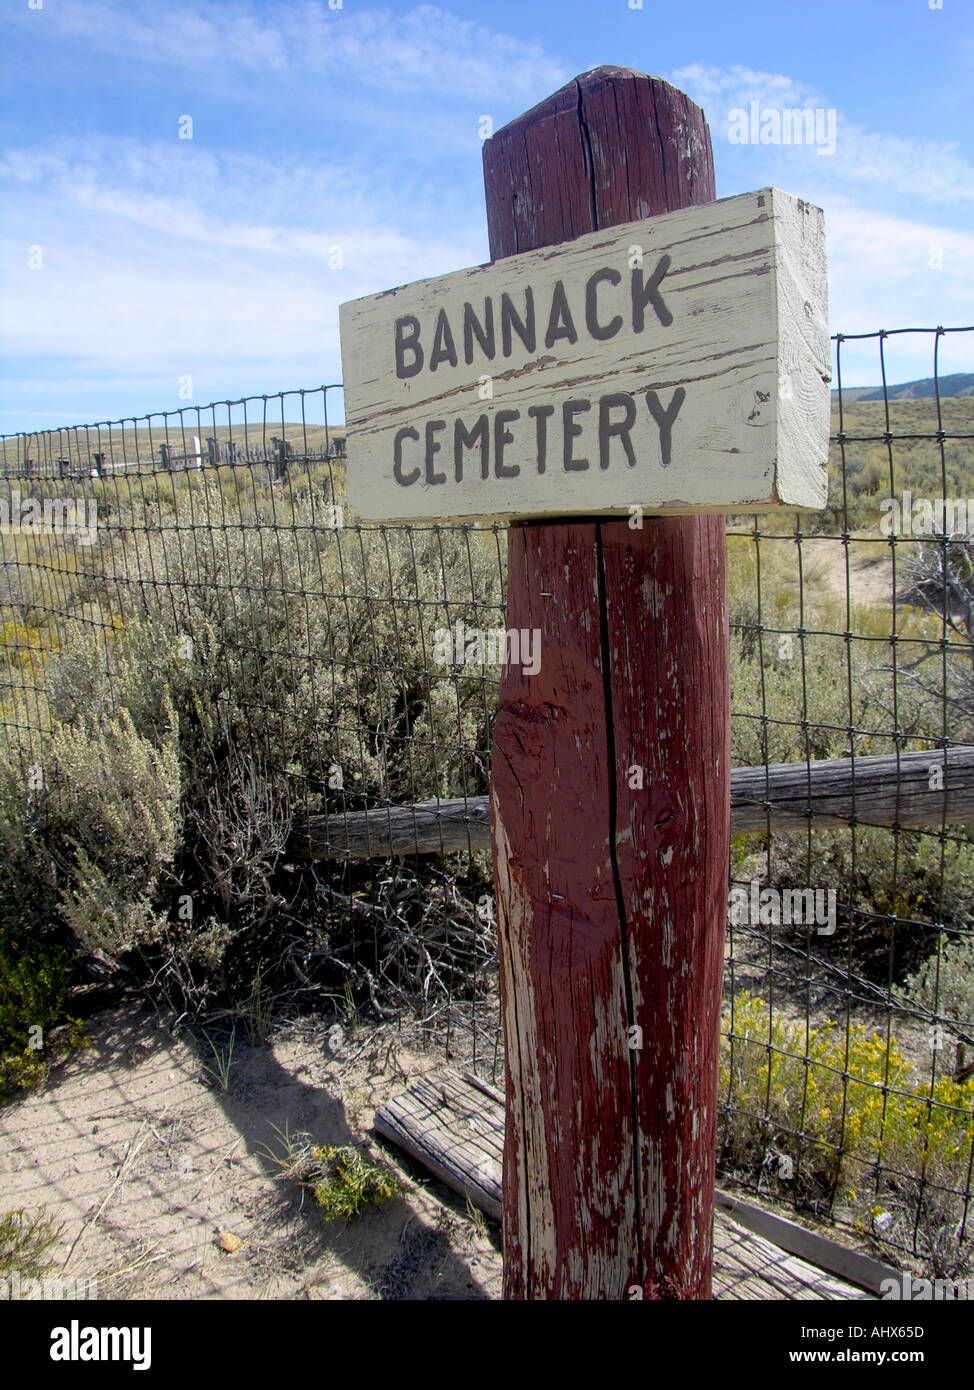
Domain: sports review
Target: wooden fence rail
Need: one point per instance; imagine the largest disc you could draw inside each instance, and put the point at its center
(909, 790)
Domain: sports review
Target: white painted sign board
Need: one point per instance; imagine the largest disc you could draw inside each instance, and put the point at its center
(680, 363)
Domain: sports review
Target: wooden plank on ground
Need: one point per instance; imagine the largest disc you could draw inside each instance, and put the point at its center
(454, 1126)
(748, 1267)
(850, 1265)
(454, 1131)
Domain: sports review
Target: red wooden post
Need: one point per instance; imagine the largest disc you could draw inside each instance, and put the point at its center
(610, 791)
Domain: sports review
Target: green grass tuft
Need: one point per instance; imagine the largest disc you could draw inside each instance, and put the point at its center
(25, 1239)
(342, 1181)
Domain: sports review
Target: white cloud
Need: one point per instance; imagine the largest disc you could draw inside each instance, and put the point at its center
(714, 87)
(150, 274)
(926, 168)
(207, 198)
(180, 36)
(421, 49)
(887, 272)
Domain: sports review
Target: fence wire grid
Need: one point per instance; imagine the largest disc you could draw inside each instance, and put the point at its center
(209, 668)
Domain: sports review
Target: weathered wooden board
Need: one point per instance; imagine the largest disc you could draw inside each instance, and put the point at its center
(746, 1266)
(454, 1127)
(908, 789)
(881, 790)
(861, 1270)
(679, 363)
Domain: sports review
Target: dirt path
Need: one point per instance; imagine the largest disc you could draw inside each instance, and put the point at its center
(870, 571)
(147, 1162)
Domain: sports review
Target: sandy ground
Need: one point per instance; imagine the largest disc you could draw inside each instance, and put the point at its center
(148, 1162)
(870, 576)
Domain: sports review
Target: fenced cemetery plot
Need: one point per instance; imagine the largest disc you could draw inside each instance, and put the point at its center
(258, 738)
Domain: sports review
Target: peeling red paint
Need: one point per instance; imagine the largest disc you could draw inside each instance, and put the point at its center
(611, 900)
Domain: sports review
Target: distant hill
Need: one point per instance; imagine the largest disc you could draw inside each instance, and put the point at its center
(958, 384)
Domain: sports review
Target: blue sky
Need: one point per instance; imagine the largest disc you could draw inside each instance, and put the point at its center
(316, 127)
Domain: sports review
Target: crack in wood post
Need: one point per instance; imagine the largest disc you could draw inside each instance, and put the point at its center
(611, 755)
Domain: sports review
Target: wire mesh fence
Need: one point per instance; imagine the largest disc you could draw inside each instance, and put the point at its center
(210, 671)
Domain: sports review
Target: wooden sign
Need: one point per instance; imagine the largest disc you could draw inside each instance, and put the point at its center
(680, 363)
